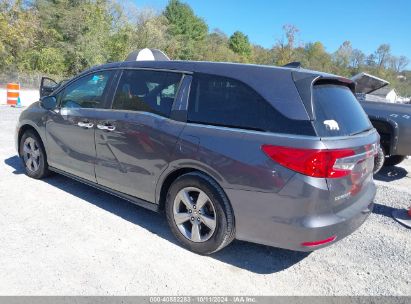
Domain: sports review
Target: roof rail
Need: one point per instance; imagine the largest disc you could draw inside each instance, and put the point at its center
(294, 64)
(147, 55)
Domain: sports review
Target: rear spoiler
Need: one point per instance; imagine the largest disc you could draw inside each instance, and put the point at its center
(305, 82)
(294, 65)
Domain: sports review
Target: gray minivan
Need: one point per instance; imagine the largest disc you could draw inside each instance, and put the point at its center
(277, 156)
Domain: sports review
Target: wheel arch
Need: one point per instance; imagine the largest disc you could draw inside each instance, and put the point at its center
(171, 176)
(388, 131)
(24, 128)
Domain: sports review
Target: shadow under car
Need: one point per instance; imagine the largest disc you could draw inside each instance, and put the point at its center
(249, 256)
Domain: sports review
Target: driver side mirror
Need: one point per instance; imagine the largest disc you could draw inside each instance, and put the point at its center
(48, 102)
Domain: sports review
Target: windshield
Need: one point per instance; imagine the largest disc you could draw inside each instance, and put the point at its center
(337, 112)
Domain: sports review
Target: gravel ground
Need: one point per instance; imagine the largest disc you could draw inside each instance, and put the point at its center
(60, 237)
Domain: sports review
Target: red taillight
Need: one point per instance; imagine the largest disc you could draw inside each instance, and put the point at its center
(311, 162)
(320, 242)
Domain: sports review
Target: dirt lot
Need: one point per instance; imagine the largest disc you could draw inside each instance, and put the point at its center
(60, 237)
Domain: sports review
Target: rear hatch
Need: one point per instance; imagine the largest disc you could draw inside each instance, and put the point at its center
(344, 127)
(366, 83)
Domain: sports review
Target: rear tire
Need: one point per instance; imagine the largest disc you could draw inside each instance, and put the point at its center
(379, 160)
(33, 155)
(206, 229)
(393, 160)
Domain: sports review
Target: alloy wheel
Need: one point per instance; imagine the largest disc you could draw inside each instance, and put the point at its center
(194, 214)
(31, 154)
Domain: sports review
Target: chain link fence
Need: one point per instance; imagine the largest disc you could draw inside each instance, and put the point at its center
(26, 81)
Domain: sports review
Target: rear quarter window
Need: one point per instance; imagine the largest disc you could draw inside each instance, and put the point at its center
(338, 112)
(223, 101)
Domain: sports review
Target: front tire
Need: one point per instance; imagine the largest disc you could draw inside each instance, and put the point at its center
(199, 213)
(393, 160)
(33, 155)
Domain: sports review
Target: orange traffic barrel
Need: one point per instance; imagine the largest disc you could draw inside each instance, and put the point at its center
(13, 93)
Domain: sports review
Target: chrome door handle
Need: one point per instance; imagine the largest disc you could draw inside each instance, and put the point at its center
(83, 124)
(106, 128)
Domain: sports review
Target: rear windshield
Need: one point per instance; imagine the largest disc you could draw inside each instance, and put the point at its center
(337, 112)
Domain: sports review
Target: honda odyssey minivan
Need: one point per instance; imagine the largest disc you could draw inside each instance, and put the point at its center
(272, 155)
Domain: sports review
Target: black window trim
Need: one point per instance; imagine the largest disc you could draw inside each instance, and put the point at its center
(179, 109)
(253, 131)
(157, 70)
(228, 126)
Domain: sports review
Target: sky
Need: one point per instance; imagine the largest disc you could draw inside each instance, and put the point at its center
(366, 23)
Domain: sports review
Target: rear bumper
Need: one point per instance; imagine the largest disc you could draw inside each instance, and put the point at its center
(288, 221)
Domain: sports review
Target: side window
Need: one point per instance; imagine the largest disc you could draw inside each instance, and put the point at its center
(223, 101)
(148, 91)
(86, 92)
(227, 102)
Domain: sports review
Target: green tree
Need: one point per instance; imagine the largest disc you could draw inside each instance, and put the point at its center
(382, 55)
(151, 31)
(342, 59)
(81, 30)
(216, 48)
(261, 55)
(343, 54)
(188, 29)
(240, 44)
(63, 37)
(184, 22)
(398, 63)
(18, 28)
(370, 60)
(46, 60)
(284, 49)
(357, 59)
(315, 57)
